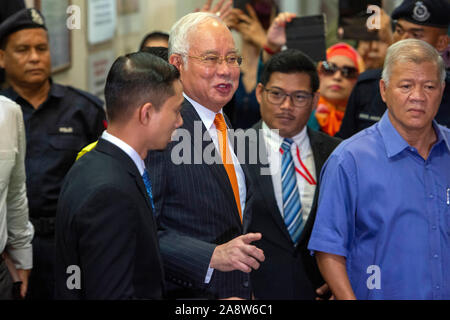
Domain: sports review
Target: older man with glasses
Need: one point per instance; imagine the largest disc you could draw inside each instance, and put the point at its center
(203, 208)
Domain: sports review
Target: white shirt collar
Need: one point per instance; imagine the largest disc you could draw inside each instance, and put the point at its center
(127, 149)
(301, 140)
(206, 115)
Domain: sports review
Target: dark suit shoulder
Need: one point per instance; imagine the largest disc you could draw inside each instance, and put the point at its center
(257, 125)
(318, 136)
(370, 75)
(96, 169)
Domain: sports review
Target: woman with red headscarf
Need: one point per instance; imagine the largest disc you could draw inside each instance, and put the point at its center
(338, 75)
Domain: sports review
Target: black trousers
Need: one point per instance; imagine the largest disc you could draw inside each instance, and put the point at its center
(41, 285)
(6, 283)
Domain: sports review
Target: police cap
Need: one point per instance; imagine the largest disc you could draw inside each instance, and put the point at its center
(433, 13)
(23, 19)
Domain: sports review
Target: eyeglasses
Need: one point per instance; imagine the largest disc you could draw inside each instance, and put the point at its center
(212, 60)
(298, 98)
(329, 69)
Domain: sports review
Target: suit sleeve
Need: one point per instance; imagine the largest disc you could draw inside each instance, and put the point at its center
(186, 258)
(106, 225)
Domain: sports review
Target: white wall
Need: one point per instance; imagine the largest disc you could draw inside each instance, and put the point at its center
(153, 15)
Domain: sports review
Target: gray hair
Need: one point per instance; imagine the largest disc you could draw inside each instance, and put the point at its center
(179, 34)
(412, 50)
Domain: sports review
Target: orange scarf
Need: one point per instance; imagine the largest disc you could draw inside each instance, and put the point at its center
(328, 117)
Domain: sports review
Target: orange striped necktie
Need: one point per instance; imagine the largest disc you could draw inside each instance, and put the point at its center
(227, 160)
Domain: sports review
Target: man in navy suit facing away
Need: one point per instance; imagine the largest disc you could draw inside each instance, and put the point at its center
(105, 226)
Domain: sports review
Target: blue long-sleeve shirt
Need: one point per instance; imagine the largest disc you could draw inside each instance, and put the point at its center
(387, 210)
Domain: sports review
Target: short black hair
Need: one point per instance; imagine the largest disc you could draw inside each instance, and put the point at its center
(135, 79)
(157, 35)
(161, 52)
(291, 61)
(5, 39)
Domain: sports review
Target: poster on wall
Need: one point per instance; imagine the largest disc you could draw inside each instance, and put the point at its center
(55, 14)
(125, 7)
(99, 64)
(129, 20)
(102, 17)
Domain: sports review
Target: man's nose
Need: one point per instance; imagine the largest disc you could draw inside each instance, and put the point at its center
(418, 93)
(287, 103)
(223, 68)
(34, 55)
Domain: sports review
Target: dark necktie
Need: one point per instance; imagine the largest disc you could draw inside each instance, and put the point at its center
(148, 186)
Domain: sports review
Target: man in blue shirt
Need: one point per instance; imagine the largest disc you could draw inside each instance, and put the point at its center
(383, 224)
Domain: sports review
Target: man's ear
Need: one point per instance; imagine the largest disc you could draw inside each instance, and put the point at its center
(383, 90)
(2, 58)
(258, 92)
(146, 112)
(316, 100)
(176, 60)
(442, 42)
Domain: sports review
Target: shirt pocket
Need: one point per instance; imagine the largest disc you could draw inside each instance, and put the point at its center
(66, 142)
(7, 159)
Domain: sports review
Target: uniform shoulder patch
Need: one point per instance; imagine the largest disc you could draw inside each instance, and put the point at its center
(89, 96)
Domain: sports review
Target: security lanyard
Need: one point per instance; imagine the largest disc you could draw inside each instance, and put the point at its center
(308, 177)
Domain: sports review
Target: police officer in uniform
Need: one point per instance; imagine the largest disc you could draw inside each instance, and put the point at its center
(426, 20)
(59, 121)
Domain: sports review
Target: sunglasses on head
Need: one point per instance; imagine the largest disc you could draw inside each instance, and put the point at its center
(329, 69)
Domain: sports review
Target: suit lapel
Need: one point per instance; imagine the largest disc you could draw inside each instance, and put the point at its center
(190, 116)
(320, 156)
(265, 183)
(115, 152)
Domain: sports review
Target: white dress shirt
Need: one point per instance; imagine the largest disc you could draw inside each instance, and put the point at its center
(127, 149)
(207, 116)
(273, 143)
(16, 232)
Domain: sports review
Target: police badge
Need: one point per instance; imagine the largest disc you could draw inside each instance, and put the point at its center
(420, 12)
(36, 17)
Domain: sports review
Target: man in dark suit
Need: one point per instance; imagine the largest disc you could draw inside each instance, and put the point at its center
(200, 199)
(106, 239)
(285, 178)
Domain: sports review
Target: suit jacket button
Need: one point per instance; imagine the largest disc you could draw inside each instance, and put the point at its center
(245, 284)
